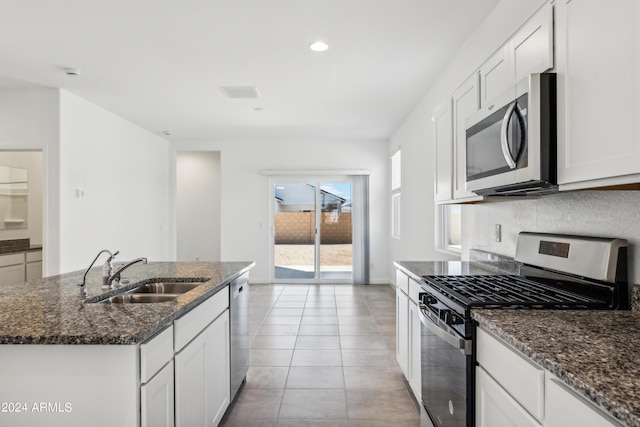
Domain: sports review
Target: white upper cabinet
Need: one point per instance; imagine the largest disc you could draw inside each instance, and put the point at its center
(495, 75)
(443, 133)
(529, 51)
(466, 101)
(531, 48)
(598, 65)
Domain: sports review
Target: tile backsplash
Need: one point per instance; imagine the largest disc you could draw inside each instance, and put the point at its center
(589, 213)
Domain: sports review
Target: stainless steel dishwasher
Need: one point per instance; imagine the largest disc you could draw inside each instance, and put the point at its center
(239, 325)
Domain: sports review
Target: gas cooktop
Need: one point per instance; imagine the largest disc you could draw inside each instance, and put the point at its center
(509, 291)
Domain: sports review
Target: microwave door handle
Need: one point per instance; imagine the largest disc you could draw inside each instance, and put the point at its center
(504, 136)
(523, 136)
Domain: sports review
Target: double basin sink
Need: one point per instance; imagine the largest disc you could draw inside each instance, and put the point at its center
(153, 292)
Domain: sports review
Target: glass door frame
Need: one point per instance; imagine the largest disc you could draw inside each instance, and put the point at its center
(302, 179)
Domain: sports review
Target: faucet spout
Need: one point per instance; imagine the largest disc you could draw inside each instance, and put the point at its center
(83, 285)
(115, 277)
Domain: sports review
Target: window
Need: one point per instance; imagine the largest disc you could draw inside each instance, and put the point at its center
(450, 225)
(396, 182)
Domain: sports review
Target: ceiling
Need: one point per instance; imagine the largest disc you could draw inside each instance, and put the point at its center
(161, 63)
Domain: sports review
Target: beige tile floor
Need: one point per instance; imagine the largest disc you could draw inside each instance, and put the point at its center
(323, 355)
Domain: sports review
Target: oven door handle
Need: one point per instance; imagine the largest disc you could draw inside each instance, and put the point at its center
(452, 340)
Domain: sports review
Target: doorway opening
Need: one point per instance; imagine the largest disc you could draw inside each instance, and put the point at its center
(312, 228)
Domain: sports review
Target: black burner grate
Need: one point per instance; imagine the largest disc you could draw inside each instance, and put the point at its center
(487, 291)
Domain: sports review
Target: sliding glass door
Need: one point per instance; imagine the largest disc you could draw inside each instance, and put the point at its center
(312, 231)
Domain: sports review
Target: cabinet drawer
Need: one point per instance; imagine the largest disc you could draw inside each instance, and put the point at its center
(414, 291)
(519, 377)
(402, 281)
(33, 256)
(11, 259)
(565, 407)
(190, 325)
(155, 353)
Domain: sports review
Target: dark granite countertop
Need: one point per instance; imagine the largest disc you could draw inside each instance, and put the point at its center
(51, 310)
(416, 269)
(594, 352)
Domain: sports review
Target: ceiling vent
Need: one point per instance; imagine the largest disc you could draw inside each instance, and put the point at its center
(240, 92)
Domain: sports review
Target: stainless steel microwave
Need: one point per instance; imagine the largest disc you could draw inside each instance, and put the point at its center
(511, 143)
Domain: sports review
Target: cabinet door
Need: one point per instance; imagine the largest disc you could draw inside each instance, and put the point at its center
(156, 399)
(11, 275)
(531, 49)
(415, 353)
(598, 49)
(466, 101)
(202, 376)
(495, 407)
(34, 270)
(402, 331)
(564, 408)
(443, 134)
(495, 76)
(402, 281)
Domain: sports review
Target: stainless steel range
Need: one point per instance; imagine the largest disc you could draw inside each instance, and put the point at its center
(556, 272)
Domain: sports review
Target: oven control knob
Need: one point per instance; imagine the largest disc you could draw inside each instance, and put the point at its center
(428, 299)
(452, 318)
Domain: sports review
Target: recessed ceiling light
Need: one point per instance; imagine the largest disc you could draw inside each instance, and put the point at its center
(319, 46)
(72, 71)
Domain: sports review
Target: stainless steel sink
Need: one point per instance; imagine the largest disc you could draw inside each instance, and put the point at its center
(140, 298)
(166, 288)
(153, 292)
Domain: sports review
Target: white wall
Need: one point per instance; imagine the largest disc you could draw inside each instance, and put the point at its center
(245, 191)
(124, 173)
(415, 135)
(198, 205)
(32, 162)
(29, 120)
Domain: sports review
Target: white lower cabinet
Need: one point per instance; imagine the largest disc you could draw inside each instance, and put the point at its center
(20, 267)
(202, 376)
(156, 399)
(496, 407)
(511, 390)
(12, 275)
(402, 331)
(408, 332)
(33, 266)
(12, 269)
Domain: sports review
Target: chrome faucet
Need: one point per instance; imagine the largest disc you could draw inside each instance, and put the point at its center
(115, 277)
(107, 268)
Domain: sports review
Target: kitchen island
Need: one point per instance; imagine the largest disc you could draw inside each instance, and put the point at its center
(68, 361)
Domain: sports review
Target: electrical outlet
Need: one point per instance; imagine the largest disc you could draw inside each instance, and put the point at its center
(498, 233)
